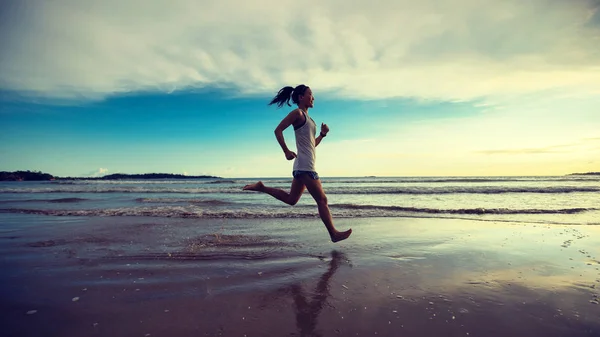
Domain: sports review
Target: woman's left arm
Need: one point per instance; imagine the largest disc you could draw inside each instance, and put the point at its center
(324, 131)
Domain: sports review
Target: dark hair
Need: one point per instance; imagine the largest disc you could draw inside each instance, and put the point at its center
(284, 95)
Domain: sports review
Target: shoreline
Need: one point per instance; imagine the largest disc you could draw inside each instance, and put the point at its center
(135, 276)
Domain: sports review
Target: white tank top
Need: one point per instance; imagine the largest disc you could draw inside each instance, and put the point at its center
(305, 145)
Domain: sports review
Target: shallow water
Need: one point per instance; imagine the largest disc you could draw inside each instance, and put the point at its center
(179, 277)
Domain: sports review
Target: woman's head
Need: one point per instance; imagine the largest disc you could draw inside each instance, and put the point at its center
(300, 95)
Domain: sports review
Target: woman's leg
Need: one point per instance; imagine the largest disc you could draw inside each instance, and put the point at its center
(316, 190)
(289, 198)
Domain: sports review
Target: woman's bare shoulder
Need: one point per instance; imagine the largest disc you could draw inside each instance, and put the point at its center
(295, 113)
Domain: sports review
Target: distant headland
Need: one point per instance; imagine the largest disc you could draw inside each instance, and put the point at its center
(586, 174)
(41, 176)
(25, 176)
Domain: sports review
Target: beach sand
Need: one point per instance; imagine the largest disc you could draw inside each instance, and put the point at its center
(135, 276)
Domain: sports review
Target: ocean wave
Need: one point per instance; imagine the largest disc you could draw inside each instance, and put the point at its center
(465, 190)
(221, 182)
(66, 200)
(124, 189)
(58, 200)
(169, 212)
(450, 180)
(209, 202)
(328, 190)
(463, 210)
(337, 210)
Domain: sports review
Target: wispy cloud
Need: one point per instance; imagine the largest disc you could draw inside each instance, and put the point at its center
(549, 149)
(458, 50)
(563, 148)
(98, 173)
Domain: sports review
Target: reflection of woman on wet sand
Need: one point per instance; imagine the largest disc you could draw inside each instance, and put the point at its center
(304, 172)
(307, 313)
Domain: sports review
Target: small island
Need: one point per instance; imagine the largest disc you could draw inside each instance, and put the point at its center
(40, 176)
(585, 174)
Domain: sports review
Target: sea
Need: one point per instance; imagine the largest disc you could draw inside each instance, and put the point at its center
(565, 200)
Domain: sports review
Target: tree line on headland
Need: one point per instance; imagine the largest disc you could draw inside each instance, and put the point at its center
(24, 175)
(40, 176)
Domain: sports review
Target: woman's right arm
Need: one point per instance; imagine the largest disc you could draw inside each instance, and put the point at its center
(290, 119)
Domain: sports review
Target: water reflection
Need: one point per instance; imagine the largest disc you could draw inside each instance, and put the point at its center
(308, 309)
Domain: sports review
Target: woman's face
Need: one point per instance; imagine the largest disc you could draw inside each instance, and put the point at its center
(307, 99)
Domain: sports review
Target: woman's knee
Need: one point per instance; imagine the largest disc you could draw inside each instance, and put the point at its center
(293, 201)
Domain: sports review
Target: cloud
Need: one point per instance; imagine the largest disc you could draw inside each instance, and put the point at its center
(98, 173)
(549, 149)
(459, 50)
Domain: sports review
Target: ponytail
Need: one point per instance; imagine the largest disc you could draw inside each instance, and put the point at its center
(283, 96)
(286, 93)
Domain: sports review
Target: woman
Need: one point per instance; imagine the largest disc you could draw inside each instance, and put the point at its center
(304, 172)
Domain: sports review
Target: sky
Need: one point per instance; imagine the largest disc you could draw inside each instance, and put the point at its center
(407, 88)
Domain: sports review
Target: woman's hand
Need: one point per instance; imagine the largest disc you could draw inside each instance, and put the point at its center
(324, 128)
(289, 155)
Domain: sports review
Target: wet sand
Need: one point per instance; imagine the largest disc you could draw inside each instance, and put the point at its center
(132, 276)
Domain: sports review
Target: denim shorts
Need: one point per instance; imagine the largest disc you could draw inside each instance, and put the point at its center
(312, 174)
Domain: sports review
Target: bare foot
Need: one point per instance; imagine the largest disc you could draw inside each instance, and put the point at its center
(254, 187)
(339, 236)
